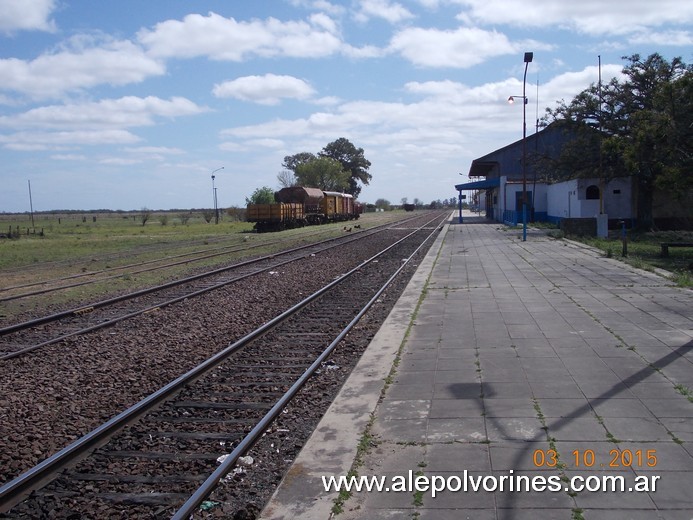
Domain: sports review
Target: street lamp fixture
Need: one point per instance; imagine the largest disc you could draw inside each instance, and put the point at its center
(511, 99)
(214, 197)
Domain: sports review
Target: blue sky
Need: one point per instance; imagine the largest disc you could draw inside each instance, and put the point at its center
(132, 104)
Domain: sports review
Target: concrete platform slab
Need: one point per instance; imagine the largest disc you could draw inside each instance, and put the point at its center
(518, 350)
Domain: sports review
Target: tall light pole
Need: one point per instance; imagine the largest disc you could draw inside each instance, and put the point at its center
(528, 60)
(214, 197)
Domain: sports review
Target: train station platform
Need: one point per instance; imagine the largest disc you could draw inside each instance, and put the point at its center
(504, 365)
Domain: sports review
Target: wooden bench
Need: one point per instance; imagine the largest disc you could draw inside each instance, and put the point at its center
(666, 245)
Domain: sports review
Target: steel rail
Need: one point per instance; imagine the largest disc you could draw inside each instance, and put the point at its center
(14, 491)
(227, 249)
(103, 303)
(192, 504)
(123, 317)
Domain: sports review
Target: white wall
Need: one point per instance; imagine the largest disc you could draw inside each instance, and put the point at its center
(568, 199)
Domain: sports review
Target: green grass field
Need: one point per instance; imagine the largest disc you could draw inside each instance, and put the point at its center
(644, 251)
(65, 237)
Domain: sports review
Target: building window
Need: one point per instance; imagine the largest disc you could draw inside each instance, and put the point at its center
(617, 192)
(592, 192)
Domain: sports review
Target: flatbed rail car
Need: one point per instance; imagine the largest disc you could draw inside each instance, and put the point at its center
(299, 206)
(269, 217)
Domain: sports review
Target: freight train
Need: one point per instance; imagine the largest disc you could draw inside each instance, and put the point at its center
(298, 206)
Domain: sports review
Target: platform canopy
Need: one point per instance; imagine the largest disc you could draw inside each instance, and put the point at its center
(479, 185)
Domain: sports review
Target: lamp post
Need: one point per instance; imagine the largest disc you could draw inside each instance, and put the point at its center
(511, 99)
(214, 197)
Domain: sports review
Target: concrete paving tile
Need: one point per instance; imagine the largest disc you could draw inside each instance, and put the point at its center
(656, 457)
(411, 377)
(654, 390)
(391, 409)
(537, 352)
(676, 406)
(457, 457)
(403, 430)
(411, 391)
(680, 427)
(610, 499)
(576, 429)
(454, 408)
(620, 408)
(467, 375)
(637, 429)
(560, 407)
(454, 514)
(465, 390)
(673, 490)
(459, 363)
(417, 365)
(458, 499)
(505, 390)
(535, 498)
(392, 458)
(605, 390)
(499, 429)
(502, 375)
(550, 389)
(510, 407)
(518, 456)
(535, 514)
(466, 429)
(378, 514)
(588, 455)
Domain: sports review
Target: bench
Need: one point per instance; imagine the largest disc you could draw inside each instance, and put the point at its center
(666, 245)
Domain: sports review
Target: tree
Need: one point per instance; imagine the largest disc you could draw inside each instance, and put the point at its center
(264, 195)
(286, 178)
(291, 162)
(352, 160)
(145, 215)
(324, 173)
(641, 127)
(383, 204)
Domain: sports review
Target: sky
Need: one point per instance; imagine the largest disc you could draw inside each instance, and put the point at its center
(130, 104)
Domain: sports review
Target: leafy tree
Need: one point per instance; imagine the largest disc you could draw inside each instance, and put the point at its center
(641, 127)
(404, 200)
(352, 160)
(264, 195)
(291, 162)
(324, 173)
(383, 204)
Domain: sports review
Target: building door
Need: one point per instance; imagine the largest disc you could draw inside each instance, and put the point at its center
(518, 201)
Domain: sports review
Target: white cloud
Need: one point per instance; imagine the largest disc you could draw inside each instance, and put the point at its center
(159, 150)
(392, 12)
(69, 157)
(594, 17)
(463, 48)
(570, 84)
(26, 15)
(222, 38)
(269, 89)
(662, 38)
(30, 141)
(124, 112)
(78, 67)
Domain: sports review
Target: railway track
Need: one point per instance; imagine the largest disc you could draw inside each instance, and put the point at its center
(162, 457)
(25, 337)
